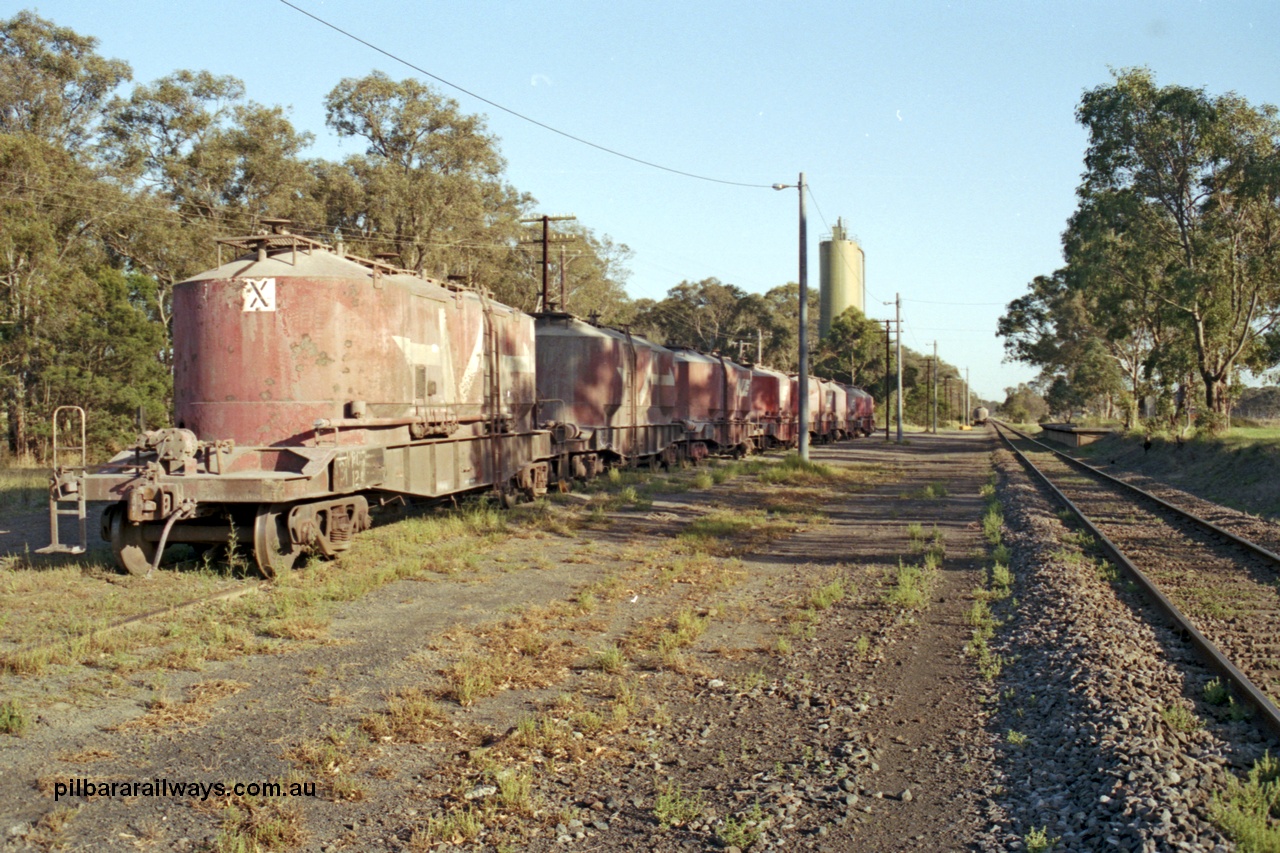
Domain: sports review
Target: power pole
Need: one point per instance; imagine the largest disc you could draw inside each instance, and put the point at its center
(759, 346)
(946, 390)
(888, 363)
(967, 410)
(934, 383)
(898, 312)
(546, 241)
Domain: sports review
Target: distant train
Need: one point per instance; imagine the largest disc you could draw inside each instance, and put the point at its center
(309, 384)
(981, 415)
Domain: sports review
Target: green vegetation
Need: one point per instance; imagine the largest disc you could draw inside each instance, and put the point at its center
(997, 587)
(744, 830)
(1247, 811)
(1147, 304)
(14, 720)
(1216, 693)
(1180, 719)
(1037, 840)
(992, 523)
(912, 586)
(675, 808)
(825, 596)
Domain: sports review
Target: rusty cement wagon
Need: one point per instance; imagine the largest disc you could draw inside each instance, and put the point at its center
(308, 383)
(608, 396)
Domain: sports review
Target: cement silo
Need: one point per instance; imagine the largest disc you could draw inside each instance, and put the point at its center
(842, 265)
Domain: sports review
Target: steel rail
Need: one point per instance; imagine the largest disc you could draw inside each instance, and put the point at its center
(1203, 522)
(1216, 660)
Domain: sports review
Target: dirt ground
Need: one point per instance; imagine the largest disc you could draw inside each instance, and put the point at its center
(655, 679)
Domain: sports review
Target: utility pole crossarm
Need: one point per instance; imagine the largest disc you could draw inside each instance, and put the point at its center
(546, 241)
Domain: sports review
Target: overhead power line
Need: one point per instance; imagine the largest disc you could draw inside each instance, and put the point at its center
(518, 115)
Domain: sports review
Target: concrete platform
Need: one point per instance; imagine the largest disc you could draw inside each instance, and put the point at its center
(1072, 435)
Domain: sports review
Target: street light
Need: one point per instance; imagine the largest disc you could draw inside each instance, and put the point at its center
(804, 321)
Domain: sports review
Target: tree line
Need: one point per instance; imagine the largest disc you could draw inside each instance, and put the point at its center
(111, 193)
(1170, 289)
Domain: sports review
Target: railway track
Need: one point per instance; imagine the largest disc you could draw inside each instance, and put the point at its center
(1219, 589)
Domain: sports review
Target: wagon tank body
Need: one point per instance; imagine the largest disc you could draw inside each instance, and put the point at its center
(304, 381)
(606, 394)
(772, 408)
(861, 410)
(981, 414)
(713, 401)
(839, 418)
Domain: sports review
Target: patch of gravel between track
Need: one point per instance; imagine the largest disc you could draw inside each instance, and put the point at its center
(1085, 751)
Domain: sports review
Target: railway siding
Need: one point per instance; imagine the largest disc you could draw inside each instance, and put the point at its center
(1109, 741)
(1224, 588)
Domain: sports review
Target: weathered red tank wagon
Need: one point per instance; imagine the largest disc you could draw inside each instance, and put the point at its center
(608, 396)
(817, 412)
(862, 410)
(772, 409)
(713, 400)
(306, 378)
(839, 417)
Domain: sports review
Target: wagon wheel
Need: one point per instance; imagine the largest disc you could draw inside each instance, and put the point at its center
(133, 553)
(274, 550)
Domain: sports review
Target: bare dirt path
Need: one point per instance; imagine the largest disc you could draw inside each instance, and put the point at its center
(731, 667)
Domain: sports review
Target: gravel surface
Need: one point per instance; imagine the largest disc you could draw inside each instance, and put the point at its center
(779, 721)
(652, 699)
(1089, 754)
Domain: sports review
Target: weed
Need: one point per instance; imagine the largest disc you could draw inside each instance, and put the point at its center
(992, 524)
(411, 717)
(1216, 693)
(825, 596)
(1001, 580)
(912, 588)
(1036, 840)
(862, 647)
(748, 681)
(783, 646)
(610, 660)
(675, 808)
(689, 627)
(472, 678)
(1244, 810)
(1180, 719)
(932, 491)
(979, 613)
(515, 791)
(1237, 711)
(14, 719)
(459, 827)
(1016, 738)
(252, 824)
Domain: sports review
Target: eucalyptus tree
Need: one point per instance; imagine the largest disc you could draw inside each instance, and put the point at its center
(200, 162)
(1197, 176)
(854, 347)
(429, 187)
(54, 204)
(53, 82)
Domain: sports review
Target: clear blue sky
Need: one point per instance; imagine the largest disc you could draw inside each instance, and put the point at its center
(943, 133)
